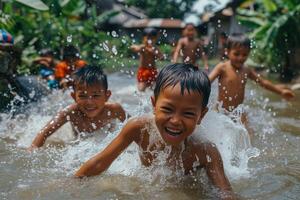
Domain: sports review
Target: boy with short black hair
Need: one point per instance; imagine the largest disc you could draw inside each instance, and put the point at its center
(90, 112)
(179, 104)
(149, 53)
(190, 47)
(233, 75)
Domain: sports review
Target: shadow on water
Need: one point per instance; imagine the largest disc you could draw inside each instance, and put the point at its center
(267, 169)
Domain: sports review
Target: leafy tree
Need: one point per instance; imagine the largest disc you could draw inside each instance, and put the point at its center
(163, 8)
(276, 30)
(53, 24)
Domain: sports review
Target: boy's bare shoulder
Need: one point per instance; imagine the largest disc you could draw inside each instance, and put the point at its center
(113, 106)
(222, 65)
(203, 149)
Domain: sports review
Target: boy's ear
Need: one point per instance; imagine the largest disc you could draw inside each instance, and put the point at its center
(73, 95)
(108, 94)
(153, 101)
(204, 111)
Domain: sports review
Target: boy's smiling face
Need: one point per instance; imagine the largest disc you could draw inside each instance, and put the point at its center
(177, 115)
(90, 99)
(238, 56)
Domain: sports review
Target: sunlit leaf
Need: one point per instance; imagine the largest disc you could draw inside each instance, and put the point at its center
(270, 5)
(62, 3)
(36, 4)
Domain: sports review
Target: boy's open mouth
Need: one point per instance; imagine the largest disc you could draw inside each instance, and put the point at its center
(172, 131)
(90, 108)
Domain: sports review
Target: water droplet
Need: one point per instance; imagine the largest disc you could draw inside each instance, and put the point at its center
(69, 38)
(114, 34)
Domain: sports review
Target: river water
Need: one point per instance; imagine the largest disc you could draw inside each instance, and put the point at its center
(266, 168)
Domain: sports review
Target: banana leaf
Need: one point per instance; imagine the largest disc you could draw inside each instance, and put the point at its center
(36, 4)
(270, 6)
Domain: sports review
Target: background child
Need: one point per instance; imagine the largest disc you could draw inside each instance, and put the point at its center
(90, 112)
(71, 62)
(233, 75)
(47, 65)
(180, 102)
(149, 53)
(190, 47)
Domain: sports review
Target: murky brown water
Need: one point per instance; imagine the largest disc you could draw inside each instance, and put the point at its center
(47, 173)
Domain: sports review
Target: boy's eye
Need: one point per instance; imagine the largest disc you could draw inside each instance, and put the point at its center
(82, 96)
(189, 114)
(166, 109)
(97, 95)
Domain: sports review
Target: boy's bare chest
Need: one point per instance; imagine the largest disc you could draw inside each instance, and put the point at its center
(234, 78)
(159, 154)
(82, 124)
(191, 46)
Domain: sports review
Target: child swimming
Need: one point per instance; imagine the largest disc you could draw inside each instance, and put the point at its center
(91, 109)
(71, 62)
(149, 53)
(179, 104)
(233, 75)
(190, 47)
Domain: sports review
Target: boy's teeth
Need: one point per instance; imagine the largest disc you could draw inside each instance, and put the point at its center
(173, 130)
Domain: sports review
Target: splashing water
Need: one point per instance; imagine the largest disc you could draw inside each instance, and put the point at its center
(46, 173)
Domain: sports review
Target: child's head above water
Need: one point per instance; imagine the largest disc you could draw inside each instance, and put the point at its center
(180, 98)
(238, 49)
(150, 35)
(188, 76)
(89, 76)
(70, 52)
(237, 40)
(90, 90)
(189, 30)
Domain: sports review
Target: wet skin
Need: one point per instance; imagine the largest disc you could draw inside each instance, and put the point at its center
(149, 54)
(233, 76)
(190, 47)
(90, 112)
(175, 116)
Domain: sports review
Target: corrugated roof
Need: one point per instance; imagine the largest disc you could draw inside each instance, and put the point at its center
(156, 22)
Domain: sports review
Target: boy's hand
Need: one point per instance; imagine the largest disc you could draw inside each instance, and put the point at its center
(287, 94)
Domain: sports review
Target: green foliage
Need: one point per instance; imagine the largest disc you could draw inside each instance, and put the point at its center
(63, 23)
(36, 4)
(276, 30)
(163, 8)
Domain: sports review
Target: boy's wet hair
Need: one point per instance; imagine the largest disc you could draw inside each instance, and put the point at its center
(152, 32)
(70, 51)
(238, 40)
(190, 78)
(90, 75)
(189, 24)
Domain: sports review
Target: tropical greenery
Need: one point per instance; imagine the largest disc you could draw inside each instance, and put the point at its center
(275, 26)
(55, 23)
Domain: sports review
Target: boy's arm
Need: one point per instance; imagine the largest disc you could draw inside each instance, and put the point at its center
(216, 72)
(101, 161)
(285, 93)
(136, 48)
(177, 50)
(215, 171)
(48, 130)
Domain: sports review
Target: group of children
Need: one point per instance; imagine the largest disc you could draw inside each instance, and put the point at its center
(180, 97)
(58, 75)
